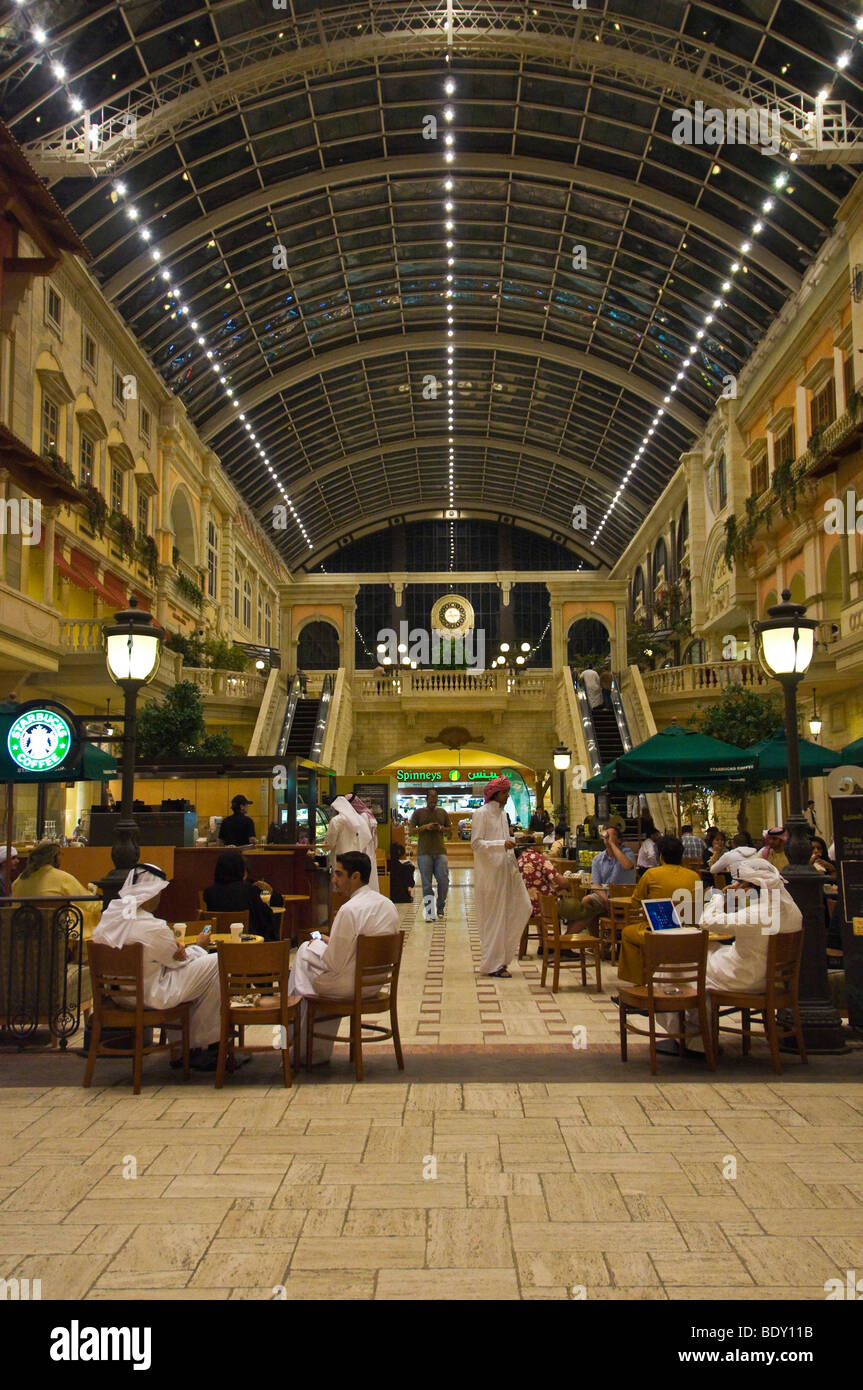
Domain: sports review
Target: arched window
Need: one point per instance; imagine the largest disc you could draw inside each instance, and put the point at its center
(721, 483)
(260, 616)
(268, 625)
(660, 562)
(638, 589)
(318, 648)
(212, 558)
(247, 604)
(682, 537)
(237, 595)
(694, 654)
(588, 643)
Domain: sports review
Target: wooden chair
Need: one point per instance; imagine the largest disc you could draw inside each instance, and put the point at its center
(693, 863)
(119, 974)
(219, 921)
(256, 969)
(554, 941)
(377, 968)
(610, 928)
(672, 961)
(532, 930)
(781, 991)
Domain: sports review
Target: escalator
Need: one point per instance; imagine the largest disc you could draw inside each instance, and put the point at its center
(607, 736)
(305, 721)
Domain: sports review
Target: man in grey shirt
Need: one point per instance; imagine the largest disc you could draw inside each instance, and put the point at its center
(616, 864)
(433, 827)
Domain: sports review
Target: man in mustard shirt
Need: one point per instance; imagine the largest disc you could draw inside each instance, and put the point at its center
(663, 882)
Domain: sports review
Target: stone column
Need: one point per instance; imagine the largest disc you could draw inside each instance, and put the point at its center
(349, 611)
(693, 462)
(4, 493)
(49, 520)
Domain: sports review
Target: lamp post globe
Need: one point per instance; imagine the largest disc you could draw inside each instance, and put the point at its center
(785, 645)
(133, 646)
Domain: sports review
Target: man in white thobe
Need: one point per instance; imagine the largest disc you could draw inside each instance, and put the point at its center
(753, 917)
(353, 829)
(327, 967)
(502, 901)
(173, 974)
(592, 687)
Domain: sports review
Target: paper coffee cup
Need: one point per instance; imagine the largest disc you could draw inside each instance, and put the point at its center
(179, 930)
(237, 930)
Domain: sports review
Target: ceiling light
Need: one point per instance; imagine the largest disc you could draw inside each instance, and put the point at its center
(449, 156)
(709, 318)
(449, 114)
(449, 226)
(449, 185)
(59, 71)
(39, 35)
(757, 227)
(76, 103)
(146, 233)
(726, 286)
(449, 205)
(449, 87)
(823, 94)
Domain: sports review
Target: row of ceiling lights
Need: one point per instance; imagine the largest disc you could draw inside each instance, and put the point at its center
(40, 37)
(781, 184)
(120, 192)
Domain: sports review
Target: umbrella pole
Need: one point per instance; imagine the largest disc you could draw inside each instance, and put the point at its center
(677, 795)
(7, 867)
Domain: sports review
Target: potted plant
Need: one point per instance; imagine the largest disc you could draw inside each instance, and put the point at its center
(124, 532)
(190, 591)
(148, 554)
(59, 465)
(95, 507)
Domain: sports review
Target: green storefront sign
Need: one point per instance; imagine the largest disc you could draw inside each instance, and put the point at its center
(40, 740)
(453, 774)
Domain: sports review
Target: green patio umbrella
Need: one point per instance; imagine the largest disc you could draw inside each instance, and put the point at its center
(853, 752)
(617, 783)
(772, 755)
(680, 756)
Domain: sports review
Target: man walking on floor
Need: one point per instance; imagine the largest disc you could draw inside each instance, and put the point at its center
(433, 828)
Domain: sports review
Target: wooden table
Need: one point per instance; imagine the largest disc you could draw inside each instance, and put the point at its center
(246, 940)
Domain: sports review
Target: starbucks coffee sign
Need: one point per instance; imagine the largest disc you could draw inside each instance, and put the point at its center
(41, 739)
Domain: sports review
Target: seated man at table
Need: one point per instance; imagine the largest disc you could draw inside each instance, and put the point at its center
(327, 967)
(232, 891)
(616, 864)
(670, 879)
(173, 974)
(760, 907)
(541, 878)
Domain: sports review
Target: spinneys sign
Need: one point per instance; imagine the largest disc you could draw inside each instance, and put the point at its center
(440, 774)
(40, 740)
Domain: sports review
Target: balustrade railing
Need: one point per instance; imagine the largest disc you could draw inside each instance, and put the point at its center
(231, 685)
(694, 680)
(404, 682)
(43, 975)
(82, 634)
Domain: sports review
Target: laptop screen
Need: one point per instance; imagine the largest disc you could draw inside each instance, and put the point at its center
(661, 914)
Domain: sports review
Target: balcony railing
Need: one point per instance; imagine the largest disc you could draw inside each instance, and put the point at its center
(83, 635)
(698, 680)
(528, 684)
(225, 685)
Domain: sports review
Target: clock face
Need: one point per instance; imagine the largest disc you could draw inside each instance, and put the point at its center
(453, 615)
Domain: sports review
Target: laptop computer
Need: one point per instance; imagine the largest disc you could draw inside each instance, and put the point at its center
(662, 915)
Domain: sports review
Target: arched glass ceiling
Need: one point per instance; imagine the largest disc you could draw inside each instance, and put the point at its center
(236, 128)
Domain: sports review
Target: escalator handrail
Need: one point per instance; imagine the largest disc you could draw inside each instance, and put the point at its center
(290, 710)
(587, 722)
(620, 716)
(324, 706)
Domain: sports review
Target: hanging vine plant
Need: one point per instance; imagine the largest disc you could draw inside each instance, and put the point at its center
(124, 532)
(148, 555)
(95, 507)
(189, 590)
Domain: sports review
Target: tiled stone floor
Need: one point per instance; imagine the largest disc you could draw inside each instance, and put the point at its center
(500, 1164)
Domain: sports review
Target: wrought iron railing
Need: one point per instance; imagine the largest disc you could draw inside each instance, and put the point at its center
(43, 977)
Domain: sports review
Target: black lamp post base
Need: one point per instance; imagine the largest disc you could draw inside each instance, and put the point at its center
(822, 1025)
(125, 853)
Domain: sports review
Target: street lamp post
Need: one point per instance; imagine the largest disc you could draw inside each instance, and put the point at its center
(785, 643)
(132, 653)
(562, 759)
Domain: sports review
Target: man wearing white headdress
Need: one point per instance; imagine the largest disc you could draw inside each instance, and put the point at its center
(761, 906)
(173, 974)
(503, 904)
(353, 829)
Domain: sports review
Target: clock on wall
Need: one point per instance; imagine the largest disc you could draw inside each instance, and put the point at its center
(453, 615)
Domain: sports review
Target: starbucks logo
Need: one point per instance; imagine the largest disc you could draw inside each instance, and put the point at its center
(39, 740)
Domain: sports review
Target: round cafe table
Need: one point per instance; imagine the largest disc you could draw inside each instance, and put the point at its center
(248, 938)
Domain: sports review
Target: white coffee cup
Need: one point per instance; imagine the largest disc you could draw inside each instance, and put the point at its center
(179, 930)
(236, 930)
